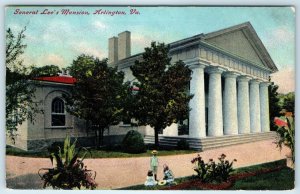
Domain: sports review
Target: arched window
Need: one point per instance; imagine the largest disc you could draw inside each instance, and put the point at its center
(58, 115)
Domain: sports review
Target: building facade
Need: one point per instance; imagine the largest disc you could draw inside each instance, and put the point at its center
(231, 69)
(230, 78)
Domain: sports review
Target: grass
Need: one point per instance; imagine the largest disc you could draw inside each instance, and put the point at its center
(102, 153)
(263, 166)
(279, 180)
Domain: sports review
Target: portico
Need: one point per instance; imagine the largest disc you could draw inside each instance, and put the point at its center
(241, 107)
(230, 77)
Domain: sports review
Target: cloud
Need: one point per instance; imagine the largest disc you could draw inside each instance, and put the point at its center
(140, 40)
(285, 79)
(86, 48)
(280, 36)
(57, 31)
(54, 59)
(99, 25)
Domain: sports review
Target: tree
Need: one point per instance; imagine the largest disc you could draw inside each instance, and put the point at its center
(163, 96)
(48, 70)
(274, 104)
(19, 93)
(289, 102)
(98, 94)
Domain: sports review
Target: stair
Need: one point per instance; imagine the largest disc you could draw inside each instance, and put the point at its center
(212, 142)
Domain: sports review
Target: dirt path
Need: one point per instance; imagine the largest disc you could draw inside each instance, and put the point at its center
(121, 172)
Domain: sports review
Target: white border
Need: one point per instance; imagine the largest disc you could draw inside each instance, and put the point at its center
(4, 3)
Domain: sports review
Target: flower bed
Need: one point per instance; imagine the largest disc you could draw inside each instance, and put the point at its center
(220, 186)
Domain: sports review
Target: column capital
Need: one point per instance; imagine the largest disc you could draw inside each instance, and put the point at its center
(244, 78)
(196, 63)
(214, 70)
(230, 74)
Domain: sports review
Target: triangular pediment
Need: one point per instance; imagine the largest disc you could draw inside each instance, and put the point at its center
(243, 42)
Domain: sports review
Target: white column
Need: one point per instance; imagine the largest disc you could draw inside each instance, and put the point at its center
(254, 107)
(215, 117)
(264, 107)
(243, 105)
(230, 104)
(197, 103)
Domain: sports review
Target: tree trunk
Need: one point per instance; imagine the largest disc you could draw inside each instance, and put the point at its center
(101, 137)
(156, 138)
(97, 138)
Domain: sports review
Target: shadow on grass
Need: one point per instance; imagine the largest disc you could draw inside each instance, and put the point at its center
(28, 181)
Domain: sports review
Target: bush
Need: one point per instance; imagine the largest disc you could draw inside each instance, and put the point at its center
(183, 145)
(69, 171)
(212, 172)
(133, 143)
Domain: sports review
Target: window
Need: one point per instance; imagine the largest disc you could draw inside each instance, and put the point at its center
(58, 116)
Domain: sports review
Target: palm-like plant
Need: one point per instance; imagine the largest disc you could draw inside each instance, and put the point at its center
(69, 171)
(286, 133)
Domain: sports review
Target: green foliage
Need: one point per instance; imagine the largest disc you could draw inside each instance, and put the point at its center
(20, 103)
(182, 144)
(163, 96)
(98, 95)
(48, 70)
(286, 135)
(212, 172)
(274, 104)
(183, 129)
(69, 171)
(289, 102)
(133, 142)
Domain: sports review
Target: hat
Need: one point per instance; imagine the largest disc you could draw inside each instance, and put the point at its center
(154, 152)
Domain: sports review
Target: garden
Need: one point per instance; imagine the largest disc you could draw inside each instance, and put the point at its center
(269, 176)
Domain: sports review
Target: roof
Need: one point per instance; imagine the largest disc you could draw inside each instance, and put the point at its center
(58, 79)
(195, 40)
(265, 56)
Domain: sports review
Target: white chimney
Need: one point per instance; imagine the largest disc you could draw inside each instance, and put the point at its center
(113, 50)
(124, 45)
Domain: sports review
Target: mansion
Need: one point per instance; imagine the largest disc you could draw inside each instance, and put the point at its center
(230, 79)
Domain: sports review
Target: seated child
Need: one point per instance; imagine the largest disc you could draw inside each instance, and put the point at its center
(168, 175)
(150, 179)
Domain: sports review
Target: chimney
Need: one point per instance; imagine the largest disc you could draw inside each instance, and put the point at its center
(124, 45)
(113, 50)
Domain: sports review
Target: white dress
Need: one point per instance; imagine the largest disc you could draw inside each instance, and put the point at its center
(150, 181)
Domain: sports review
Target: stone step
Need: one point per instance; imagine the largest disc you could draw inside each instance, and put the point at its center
(207, 140)
(212, 142)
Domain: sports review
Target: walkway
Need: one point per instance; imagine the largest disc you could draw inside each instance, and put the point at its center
(122, 172)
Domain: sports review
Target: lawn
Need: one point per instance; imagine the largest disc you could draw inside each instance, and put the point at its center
(282, 179)
(101, 153)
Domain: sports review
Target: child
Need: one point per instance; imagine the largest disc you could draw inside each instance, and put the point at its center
(150, 180)
(168, 175)
(154, 164)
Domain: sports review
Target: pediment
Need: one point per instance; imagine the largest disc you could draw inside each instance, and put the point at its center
(243, 42)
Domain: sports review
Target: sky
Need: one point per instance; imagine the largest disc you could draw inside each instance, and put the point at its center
(58, 39)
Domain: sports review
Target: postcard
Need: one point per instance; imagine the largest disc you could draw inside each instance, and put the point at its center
(150, 97)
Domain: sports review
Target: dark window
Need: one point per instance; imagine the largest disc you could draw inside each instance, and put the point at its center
(58, 112)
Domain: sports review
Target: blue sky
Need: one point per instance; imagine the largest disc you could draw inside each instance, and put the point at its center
(58, 39)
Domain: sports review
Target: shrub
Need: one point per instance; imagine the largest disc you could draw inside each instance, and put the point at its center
(286, 133)
(69, 171)
(182, 144)
(133, 142)
(223, 169)
(212, 172)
